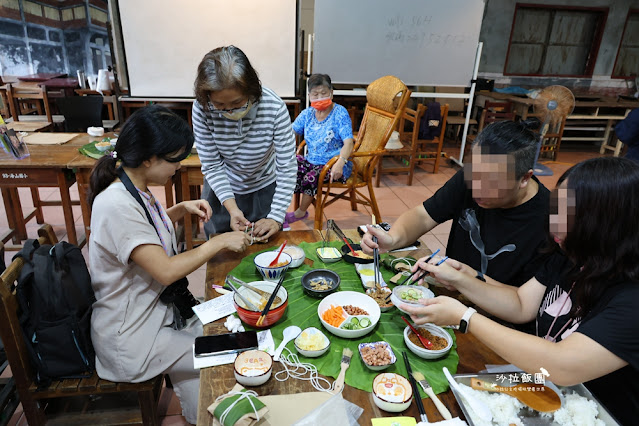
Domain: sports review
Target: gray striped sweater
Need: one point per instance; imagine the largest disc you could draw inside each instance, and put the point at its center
(244, 156)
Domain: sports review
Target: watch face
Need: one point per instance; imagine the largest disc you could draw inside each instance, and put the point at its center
(463, 326)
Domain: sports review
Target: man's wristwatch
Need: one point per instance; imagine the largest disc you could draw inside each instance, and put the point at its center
(480, 276)
(465, 320)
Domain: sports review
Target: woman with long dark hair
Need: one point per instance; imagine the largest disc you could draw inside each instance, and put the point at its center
(132, 257)
(585, 298)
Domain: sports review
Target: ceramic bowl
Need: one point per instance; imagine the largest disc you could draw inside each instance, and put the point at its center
(296, 253)
(316, 274)
(392, 392)
(250, 317)
(312, 353)
(397, 291)
(262, 261)
(425, 353)
(353, 298)
(389, 305)
(386, 347)
(329, 254)
(113, 141)
(103, 146)
(253, 368)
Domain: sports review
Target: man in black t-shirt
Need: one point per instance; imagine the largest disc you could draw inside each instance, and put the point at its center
(499, 209)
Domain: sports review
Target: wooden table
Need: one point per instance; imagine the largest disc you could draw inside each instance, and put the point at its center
(215, 381)
(43, 76)
(46, 166)
(589, 110)
(28, 126)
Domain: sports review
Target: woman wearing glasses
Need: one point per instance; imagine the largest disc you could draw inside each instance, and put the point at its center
(246, 145)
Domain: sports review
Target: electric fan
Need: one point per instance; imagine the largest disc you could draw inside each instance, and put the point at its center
(552, 104)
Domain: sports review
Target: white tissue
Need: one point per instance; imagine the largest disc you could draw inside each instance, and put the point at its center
(233, 324)
(104, 81)
(95, 131)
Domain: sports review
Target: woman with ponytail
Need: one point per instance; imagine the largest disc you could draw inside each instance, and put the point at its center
(133, 257)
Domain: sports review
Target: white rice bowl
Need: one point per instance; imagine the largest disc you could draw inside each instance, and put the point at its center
(575, 411)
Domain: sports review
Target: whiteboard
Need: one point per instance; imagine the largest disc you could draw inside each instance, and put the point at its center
(165, 40)
(423, 42)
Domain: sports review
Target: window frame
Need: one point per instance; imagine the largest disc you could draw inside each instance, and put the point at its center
(594, 48)
(623, 32)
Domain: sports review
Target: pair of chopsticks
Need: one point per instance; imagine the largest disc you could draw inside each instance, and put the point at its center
(413, 383)
(376, 256)
(260, 320)
(409, 278)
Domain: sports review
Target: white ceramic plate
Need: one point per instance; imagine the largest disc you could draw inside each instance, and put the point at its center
(353, 298)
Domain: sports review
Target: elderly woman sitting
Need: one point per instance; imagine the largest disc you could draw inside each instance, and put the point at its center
(328, 132)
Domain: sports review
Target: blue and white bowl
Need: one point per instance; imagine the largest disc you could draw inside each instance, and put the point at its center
(262, 261)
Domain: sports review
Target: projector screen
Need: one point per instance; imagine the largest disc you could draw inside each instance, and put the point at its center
(164, 41)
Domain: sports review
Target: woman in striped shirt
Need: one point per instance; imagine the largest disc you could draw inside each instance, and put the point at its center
(246, 145)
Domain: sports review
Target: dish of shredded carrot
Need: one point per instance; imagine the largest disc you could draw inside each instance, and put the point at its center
(334, 316)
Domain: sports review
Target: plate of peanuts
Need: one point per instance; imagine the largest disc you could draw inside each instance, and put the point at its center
(377, 356)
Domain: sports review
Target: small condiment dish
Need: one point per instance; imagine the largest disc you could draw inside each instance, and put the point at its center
(253, 368)
(392, 392)
(426, 353)
(320, 274)
(312, 334)
(386, 347)
(328, 254)
(297, 255)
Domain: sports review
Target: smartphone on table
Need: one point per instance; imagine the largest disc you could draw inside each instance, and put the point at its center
(225, 343)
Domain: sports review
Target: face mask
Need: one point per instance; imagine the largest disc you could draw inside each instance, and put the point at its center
(238, 113)
(322, 104)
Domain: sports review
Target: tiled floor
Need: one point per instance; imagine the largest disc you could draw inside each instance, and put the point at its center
(394, 197)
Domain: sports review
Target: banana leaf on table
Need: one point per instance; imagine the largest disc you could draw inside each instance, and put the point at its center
(302, 311)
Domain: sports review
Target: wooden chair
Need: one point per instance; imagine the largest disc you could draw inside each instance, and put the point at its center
(22, 96)
(493, 112)
(4, 100)
(551, 142)
(386, 100)
(35, 400)
(414, 149)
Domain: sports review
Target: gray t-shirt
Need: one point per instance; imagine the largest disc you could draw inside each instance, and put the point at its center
(128, 314)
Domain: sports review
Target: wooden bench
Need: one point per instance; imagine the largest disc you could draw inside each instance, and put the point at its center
(35, 400)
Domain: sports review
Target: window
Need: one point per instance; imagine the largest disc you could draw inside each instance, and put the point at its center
(627, 63)
(554, 40)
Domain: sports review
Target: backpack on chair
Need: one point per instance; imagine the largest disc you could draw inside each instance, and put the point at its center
(55, 301)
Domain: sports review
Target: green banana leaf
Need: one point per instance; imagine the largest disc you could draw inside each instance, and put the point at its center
(302, 311)
(91, 151)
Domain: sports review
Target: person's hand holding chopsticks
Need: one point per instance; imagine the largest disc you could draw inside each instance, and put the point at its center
(447, 272)
(384, 240)
(440, 310)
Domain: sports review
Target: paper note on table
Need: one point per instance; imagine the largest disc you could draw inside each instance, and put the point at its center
(215, 309)
(265, 343)
(394, 421)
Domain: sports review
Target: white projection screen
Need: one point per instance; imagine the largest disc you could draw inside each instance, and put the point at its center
(164, 41)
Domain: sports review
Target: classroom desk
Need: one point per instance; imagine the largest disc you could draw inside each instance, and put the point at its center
(215, 381)
(43, 76)
(46, 166)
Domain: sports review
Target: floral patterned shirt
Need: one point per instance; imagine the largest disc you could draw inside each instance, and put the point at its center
(325, 138)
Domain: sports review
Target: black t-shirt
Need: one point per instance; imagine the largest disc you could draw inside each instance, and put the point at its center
(526, 226)
(613, 323)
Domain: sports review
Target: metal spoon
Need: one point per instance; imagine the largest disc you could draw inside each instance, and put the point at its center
(290, 333)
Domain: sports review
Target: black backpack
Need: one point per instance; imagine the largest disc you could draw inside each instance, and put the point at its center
(55, 301)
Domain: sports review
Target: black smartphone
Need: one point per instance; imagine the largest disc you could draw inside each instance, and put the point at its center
(225, 343)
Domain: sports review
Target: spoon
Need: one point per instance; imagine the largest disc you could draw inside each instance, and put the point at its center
(545, 401)
(427, 343)
(290, 333)
(350, 248)
(274, 262)
(481, 409)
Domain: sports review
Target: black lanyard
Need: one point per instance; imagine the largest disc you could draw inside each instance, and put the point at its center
(134, 192)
